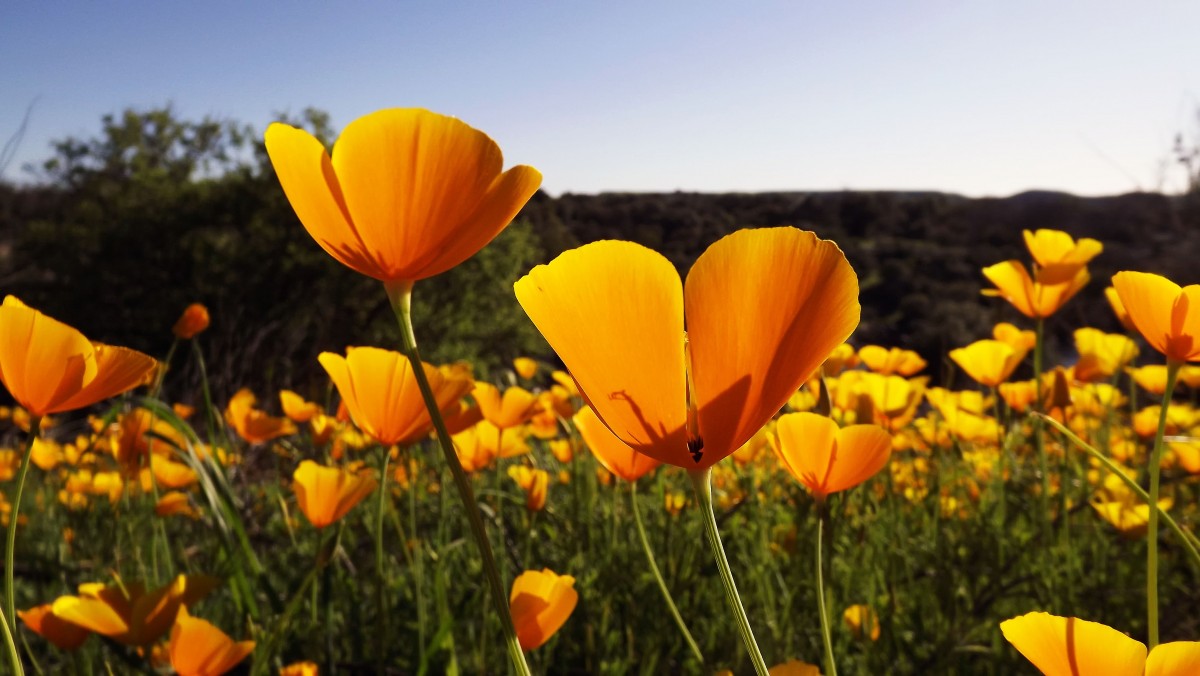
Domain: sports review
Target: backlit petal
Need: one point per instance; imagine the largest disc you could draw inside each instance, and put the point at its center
(764, 308)
(616, 455)
(1180, 658)
(118, 369)
(1013, 284)
(805, 443)
(613, 311)
(42, 361)
(1062, 646)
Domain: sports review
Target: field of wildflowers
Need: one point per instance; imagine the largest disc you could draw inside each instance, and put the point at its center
(707, 476)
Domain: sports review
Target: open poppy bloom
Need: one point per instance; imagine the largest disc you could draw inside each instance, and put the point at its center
(1021, 340)
(988, 362)
(827, 459)
(1042, 294)
(198, 648)
(252, 424)
(479, 445)
(1069, 646)
(515, 406)
(891, 361)
(381, 393)
(407, 193)
(763, 309)
(525, 367)
(1051, 248)
(534, 482)
(616, 455)
(1167, 315)
(193, 320)
(1101, 354)
(49, 367)
(297, 408)
(128, 613)
(325, 494)
(540, 604)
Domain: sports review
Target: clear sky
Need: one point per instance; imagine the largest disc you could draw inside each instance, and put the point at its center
(981, 98)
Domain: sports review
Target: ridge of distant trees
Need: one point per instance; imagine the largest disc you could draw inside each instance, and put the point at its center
(121, 231)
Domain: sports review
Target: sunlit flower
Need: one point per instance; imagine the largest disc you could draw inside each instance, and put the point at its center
(1021, 340)
(49, 367)
(794, 668)
(614, 312)
(861, 621)
(1167, 315)
(297, 408)
(514, 407)
(1101, 354)
(300, 669)
(1040, 295)
(1051, 248)
(827, 459)
(193, 320)
(326, 494)
(540, 604)
(127, 613)
(1129, 517)
(674, 502)
(988, 362)
(1152, 378)
(525, 367)
(198, 648)
(534, 482)
(175, 503)
(46, 454)
(563, 450)
(842, 357)
(895, 361)
(1068, 646)
(616, 455)
(64, 635)
(381, 393)
(407, 193)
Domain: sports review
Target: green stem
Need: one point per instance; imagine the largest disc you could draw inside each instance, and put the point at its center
(701, 485)
(400, 295)
(1038, 429)
(10, 601)
(662, 585)
(14, 655)
(380, 572)
(418, 557)
(1152, 529)
(830, 665)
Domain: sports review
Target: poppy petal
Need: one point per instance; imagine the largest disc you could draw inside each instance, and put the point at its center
(764, 308)
(119, 369)
(1180, 658)
(616, 455)
(42, 360)
(613, 311)
(1068, 646)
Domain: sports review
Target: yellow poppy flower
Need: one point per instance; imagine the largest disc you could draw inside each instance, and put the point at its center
(193, 320)
(861, 621)
(891, 361)
(49, 367)
(1069, 646)
(297, 408)
(1152, 378)
(616, 455)
(764, 308)
(534, 482)
(1167, 315)
(43, 622)
(827, 459)
(251, 424)
(516, 406)
(1127, 516)
(988, 362)
(175, 503)
(127, 613)
(1051, 248)
(1021, 340)
(843, 357)
(1101, 354)
(198, 648)
(326, 494)
(1038, 296)
(525, 367)
(381, 393)
(407, 193)
(300, 669)
(540, 604)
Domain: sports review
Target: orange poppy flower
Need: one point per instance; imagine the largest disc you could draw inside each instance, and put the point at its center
(326, 494)
(534, 482)
(407, 193)
(1069, 646)
(1166, 315)
(988, 362)
(49, 367)
(540, 604)
(789, 668)
(478, 446)
(250, 423)
(381, 393)
(1038, 296)
(764, 308)
(516, 406)
(175, 503)
(297, 408)
(64, 635)
(862, 622)
(1118, 308)
(894, 361)
(300, 669)
(1101, 354)
(525, 367)
(616, 455)
(193, 320)
(127, 613)
(1022, 341)
(1051, 248)
(827, 459)
(198, 648)
(1152, 377)
(843, 357)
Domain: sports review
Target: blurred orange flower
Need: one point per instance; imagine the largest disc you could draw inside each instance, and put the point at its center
(525, 367)
(381, 393)
(893, 361)
(1167, 315)
(1051, 248)
(827, 459)
(326, 494)
(251, 424)
(407, 193)
(516, 406)
(1038, 296)
(126, 612)
(193, 320)
(198, 648)
(862, 622)
(297, 408)
(1068, 646)
(49, 367)
(614, 312)
(534, 482)
(64, 635)
(540, 604)
(1118, 308)
(988, 362)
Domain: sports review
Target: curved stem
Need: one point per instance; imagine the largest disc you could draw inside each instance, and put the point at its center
(380, 563)
(401, 299)
(662, 585)
(826, 637)
(10, 601)
(701, 485)
(14, 656)
(1152, 529)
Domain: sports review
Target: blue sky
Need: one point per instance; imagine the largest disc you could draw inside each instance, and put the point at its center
(982, 98)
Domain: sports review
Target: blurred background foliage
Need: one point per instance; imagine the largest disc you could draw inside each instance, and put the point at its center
(119, 232)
